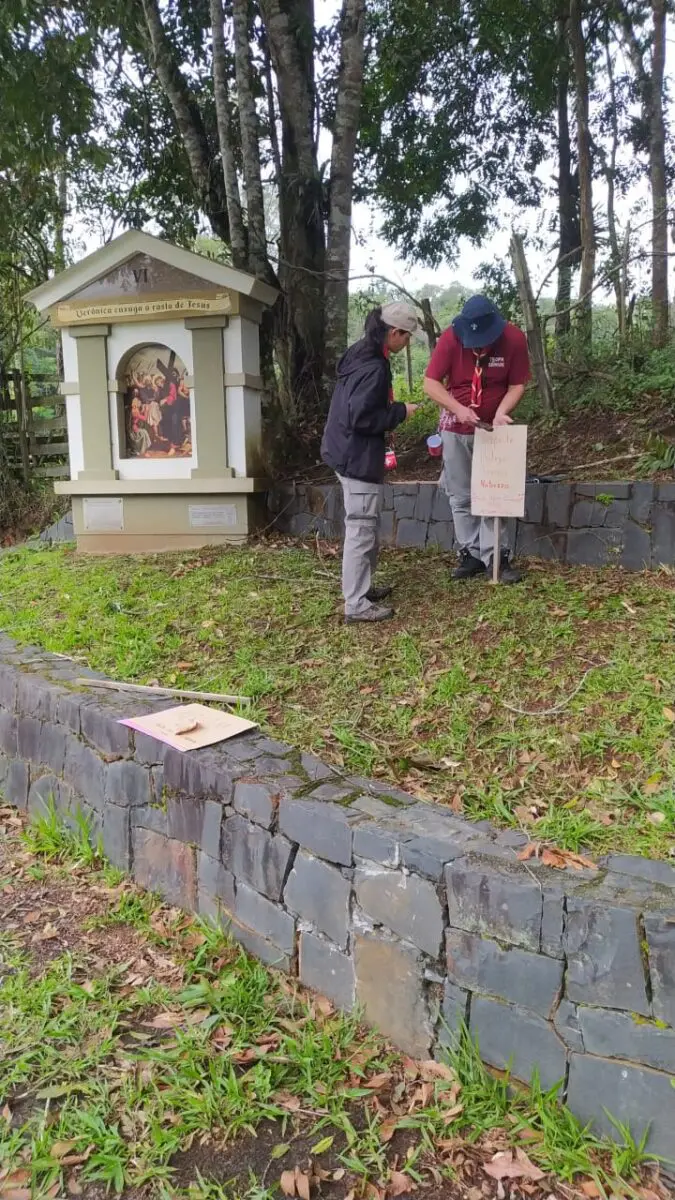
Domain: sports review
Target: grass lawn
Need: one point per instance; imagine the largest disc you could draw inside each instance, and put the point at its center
(142, 1053)
(426, 700)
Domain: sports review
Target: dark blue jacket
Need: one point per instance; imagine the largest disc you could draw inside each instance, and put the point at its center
(360, 414)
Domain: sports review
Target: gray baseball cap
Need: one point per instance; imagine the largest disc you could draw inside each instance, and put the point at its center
(400, 316)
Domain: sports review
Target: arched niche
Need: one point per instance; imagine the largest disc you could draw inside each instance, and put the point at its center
(156, 421)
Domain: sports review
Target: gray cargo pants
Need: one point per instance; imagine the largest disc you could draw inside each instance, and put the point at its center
(363, 505)
(475, 534)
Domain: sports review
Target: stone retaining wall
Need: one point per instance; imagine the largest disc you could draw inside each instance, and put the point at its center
(423, 919)
(631, 525)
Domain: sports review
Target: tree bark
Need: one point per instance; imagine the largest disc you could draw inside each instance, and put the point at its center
(250, 143)
(206, 173)
(345, 131)
(566, 195)
(609, 167)
(226, 136)
(650, 85)
(300, 317)
(657, 170)
(588, 247)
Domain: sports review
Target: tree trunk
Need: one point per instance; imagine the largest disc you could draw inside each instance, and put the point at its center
(578, 46)
(650, 85)
(60, 246)
(250, 143)
(206, 173)
(271, 106)
(345, 130)
(226, 137)
(657, 172)
(567, 208)
(535, 339)
(617, 265)
(300, 318)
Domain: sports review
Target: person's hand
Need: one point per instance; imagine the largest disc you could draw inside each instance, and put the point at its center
(467, 416)
(501, 419)
(410, 410)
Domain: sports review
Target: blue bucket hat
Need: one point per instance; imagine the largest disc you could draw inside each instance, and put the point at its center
(479, 324)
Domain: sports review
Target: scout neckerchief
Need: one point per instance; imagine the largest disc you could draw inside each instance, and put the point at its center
(477, 381)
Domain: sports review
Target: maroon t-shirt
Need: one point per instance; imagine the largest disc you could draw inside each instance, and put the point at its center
(505, 364)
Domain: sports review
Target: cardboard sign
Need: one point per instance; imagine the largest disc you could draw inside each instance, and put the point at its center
(190, 726)
(498, 471)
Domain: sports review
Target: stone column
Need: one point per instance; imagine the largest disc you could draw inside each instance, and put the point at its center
(243, 387)
(92, 371)
(210, 432)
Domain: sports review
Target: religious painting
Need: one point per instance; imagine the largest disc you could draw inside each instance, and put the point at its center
(156, 405)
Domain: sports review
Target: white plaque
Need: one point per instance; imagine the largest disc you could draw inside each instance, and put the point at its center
(103, 515)
(212, 516)
(498, 471)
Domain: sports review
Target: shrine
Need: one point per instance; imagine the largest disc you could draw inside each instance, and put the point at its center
(161, 354)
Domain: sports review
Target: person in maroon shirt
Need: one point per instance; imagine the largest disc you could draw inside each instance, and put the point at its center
(477, 375)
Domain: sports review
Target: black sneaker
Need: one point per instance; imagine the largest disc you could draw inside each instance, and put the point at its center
(507, 572)
(376, 594)
(468, 566)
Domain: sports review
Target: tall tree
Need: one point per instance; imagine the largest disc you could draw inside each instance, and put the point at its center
(226, 137)
(647, 50)
(585, 160)
(345, 130)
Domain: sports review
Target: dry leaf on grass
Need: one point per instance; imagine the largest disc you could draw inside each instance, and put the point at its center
(553, 856)
(376, 1082)
(165, 1020)
(669, 714)
(295, 1183)
(400, 1184)
(388, 1129)
(6, 1114)
(590, 1189)
(516, 1165)
(432, 1070)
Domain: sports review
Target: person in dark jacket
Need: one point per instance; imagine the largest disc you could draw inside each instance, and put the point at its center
(362, 412)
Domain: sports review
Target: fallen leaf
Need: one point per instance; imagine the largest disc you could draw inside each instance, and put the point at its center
(387, 1129)
(197, 1016)
(280, 1150)
(165, 1020)
(223, 1037)
(287, 1183)
(6, 1114)
(669, 714)
(377, 1081)
(15, 1193)
(590, 1188)
(518, 1166)
(629, 608)
(324, 1006)
(48, 933)
(456, 804)
(322, 1146)
(528, 852)
(436, 1070)
(656, 818)
(287, 1101)
(60, 1149)
(302, 1185)
(74, 1188)
(399, 1184)
(339, 1174)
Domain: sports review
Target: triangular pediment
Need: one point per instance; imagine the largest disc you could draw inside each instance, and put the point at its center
(139, 265)
(143, 275)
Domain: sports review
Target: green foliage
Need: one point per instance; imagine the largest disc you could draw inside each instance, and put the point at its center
(50, 838)
(659, 456)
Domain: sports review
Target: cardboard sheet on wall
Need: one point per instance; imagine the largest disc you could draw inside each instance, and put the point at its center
(498, 472)
(190, 726)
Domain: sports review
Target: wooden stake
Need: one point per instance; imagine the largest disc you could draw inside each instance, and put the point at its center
(496, 550)
(179, 693)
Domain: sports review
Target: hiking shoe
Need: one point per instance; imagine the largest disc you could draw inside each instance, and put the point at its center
(375, 594)
(468, 566)
(507, 572)
(374, 613)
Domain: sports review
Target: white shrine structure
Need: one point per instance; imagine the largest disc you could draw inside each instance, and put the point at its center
(161, 353)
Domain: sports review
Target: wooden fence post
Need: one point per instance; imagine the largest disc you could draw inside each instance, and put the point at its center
(23, 421)
(535, 337)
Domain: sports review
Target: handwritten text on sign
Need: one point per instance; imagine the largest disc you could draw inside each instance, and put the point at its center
(498, 472)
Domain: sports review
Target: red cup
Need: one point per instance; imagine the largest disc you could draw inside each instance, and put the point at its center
(435, 445)
(390, 463)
